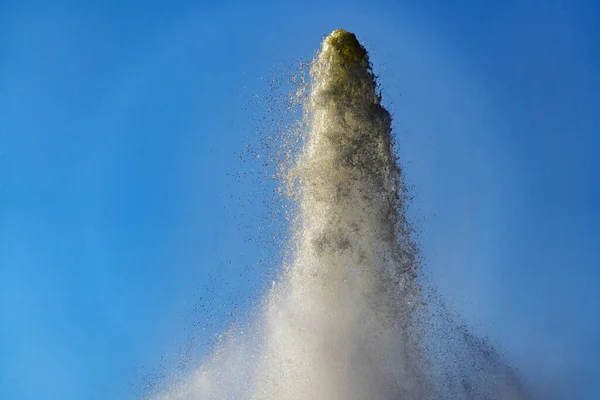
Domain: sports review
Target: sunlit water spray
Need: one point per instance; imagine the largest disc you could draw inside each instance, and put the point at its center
(347, 319)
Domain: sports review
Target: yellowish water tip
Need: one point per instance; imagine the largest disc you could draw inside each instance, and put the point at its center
(346, 46)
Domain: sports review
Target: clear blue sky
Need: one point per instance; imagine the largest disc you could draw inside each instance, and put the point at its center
(120, 123)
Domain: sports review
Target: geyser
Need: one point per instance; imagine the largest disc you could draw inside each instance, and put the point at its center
(346, 320)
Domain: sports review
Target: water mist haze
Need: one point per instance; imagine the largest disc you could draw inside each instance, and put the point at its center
(348, 317)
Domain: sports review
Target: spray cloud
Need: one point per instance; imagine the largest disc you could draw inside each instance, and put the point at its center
(347, 318)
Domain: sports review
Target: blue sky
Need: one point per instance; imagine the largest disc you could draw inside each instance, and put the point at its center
(120, 215)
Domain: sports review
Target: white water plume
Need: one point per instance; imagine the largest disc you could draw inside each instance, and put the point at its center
(347, 319)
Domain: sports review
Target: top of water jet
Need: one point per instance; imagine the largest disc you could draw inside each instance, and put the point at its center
(342, 47)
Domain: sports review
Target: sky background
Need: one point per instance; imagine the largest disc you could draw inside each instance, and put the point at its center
(123, 227)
